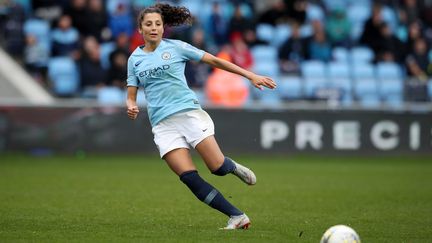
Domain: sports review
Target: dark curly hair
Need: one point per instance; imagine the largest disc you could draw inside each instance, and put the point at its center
(171, 15)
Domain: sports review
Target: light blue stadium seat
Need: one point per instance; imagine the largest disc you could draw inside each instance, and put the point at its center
(356, 31)
(314, 12)
(37, 27)
(195, 7)
(395, 101)
(388, 70)
(312, 85)
(290, 87)
(306, 30)
(40, 29)
(338, 70)
(344, 86)
(105, 50)
(339, 76)
(366, 92)
(391, 84)
(110, 96)
(316, 69)
(139, 4)
(335, 4)
(340, 54)
(264, 53)
(391, 90)
(369, 101)
(265, 32)
(430, 89)
(389, 16)
(361, 2)
(228, 9)
(63, 73)
(361, 54)
(266, 68)
(269, 97)
(358, 13)
(363, 71)
(281, 33)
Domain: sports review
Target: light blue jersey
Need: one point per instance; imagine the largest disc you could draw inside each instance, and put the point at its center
(161, 73)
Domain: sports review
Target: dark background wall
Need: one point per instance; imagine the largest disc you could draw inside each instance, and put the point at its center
(107, 129)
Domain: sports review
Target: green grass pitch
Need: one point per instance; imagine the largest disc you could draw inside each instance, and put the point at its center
(118, 198)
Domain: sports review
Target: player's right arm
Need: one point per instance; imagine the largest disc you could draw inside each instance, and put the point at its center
(132, 108)
(132, 90)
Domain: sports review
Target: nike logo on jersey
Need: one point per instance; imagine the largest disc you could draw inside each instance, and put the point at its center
(138, 63)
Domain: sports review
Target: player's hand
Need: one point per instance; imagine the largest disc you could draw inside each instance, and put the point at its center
(132, 112)
(261, 81)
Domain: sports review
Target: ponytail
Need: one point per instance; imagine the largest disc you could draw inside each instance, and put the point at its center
(171, 15)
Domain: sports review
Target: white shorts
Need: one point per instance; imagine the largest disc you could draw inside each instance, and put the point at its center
(182, 130)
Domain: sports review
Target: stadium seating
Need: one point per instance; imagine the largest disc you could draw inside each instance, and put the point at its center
(391, 91)
(313, 69)
(290, 87)
(306, 30)
(335, 4)
(281, 33)
(40, 29)
(338, 70)
(340, 54)
(269, 68)
(391, 84)
(388, 70)
(105, 50)
(265, 32)
(357, 14)
(339, 76)
(314, 12)
(389, 16)
(429, 87)
(63, 73)
(268, 97)
(363, 71)
(361, 54)
(366, 92)
(110, 96)
(263, 53)
(351, 70)
(315, 77)
(314, 84)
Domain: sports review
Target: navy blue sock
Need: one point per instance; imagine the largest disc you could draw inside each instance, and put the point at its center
(208, 194)
(227, 167)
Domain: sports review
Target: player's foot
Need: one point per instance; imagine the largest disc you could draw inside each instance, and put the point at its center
(238, 222)
(245, 174)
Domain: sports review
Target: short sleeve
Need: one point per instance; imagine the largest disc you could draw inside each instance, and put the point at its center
(132, 80)
(190, 52)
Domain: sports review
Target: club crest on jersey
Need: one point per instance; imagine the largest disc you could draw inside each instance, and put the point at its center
(166, 55)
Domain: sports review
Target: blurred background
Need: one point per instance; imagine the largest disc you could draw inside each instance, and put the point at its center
(352, 75)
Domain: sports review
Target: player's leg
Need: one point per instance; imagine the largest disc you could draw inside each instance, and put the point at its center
(220, 165)
(180, 161)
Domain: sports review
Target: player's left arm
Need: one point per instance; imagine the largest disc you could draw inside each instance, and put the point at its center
(257, 80)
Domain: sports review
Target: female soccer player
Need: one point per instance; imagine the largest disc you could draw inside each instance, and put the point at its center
(175, 115)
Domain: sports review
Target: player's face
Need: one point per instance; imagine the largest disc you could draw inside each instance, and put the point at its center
(152, 27)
